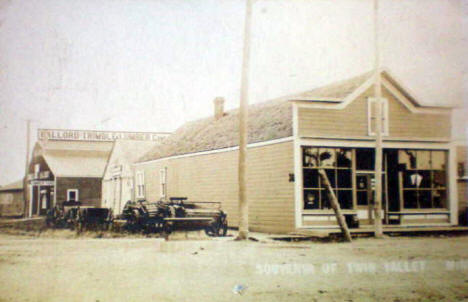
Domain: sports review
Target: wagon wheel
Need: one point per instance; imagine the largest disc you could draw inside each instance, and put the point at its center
(210, 230)
(79, 226)
(222, 231)
(166, 228)
(132, 221)
(213, 229)
(79, 223)
(218, 228)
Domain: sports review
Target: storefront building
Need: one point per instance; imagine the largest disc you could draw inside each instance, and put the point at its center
(289, 138)
(69, 165)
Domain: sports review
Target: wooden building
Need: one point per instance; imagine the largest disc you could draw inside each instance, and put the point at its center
(335, 124)
(462, 182)
(65, 170)
(117, 182)
(12, 199)
(70, 165)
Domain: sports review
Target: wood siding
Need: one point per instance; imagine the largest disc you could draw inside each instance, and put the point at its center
(462, 184)
(11, 203)
(352, 121)
(213, 177)
(89, 189)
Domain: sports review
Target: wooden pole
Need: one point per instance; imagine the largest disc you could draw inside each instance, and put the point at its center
(243, 133)
(378, 130)
(335, 205)
(26, 169)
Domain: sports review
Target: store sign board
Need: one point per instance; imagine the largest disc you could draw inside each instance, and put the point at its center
(116, 170)
(42, 182)
(92, 135)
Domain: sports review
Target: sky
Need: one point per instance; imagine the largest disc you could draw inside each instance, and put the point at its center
(146, 65)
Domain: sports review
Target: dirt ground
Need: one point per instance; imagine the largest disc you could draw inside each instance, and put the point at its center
(59, 266)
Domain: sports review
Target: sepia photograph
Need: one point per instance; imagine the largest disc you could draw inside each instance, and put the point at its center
(233, 150)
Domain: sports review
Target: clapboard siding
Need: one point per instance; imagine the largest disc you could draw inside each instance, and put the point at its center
(213, 177)
(352, 121)
(403, 123)
(462, 183)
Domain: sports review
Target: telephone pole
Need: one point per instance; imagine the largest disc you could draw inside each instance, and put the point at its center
(243, 133)
(378, 130)
(26, 169)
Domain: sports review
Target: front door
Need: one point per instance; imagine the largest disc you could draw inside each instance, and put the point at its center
(365, 193)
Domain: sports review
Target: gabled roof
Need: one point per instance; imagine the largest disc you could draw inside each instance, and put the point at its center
(76, 158)
(340, 94)
(128, 151)
(334, 92)
(14, 186)
(273, 119)
(267, 121)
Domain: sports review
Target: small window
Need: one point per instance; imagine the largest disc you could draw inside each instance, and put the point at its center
(72, 195)
(37, 169)
(140, 185)
(371, 116)
(163, 182)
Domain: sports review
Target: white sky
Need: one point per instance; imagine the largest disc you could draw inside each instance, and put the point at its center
(146, 65)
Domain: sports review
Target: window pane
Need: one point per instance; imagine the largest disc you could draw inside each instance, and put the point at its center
(410, 179)
(425, 199)
(331, 178)
(423, 159)
(361, 182)
(325, 200)
(327, 157)
(365, 159)
(344, 179)
(310, 156)
(311, 178)
(408, 158)
(343, 158)
(345, 198)
(311, 199)
(439, 198)
(439, 179)
(425, 180)
(438, 160)
(410, 199)
(362, 198)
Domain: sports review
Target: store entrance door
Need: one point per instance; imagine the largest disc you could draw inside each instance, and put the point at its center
(365, 189)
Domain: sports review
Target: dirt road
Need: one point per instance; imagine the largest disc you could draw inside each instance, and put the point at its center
(393, 269)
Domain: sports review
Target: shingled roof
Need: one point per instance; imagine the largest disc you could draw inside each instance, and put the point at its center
(14, 186)
(267, 121)
(334, 92)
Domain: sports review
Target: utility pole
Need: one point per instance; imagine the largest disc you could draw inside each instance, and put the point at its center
(335, 205)
(26, 169)
(243, 134)
(378, 130)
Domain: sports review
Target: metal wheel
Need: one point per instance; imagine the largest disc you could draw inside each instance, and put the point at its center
(166, 228)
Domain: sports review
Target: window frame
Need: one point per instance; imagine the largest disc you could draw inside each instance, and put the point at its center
(140, 184)
(77, 194)
(163, 182)
(385, 116)
(419, 190)
(321, 192)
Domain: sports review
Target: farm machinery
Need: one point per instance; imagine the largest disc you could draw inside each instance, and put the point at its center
(73, 215)
(163, 216)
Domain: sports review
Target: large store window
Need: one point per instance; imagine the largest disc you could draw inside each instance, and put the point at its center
(423, 176)
(337, 163)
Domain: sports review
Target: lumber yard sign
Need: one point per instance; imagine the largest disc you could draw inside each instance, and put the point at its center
(93, 135)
